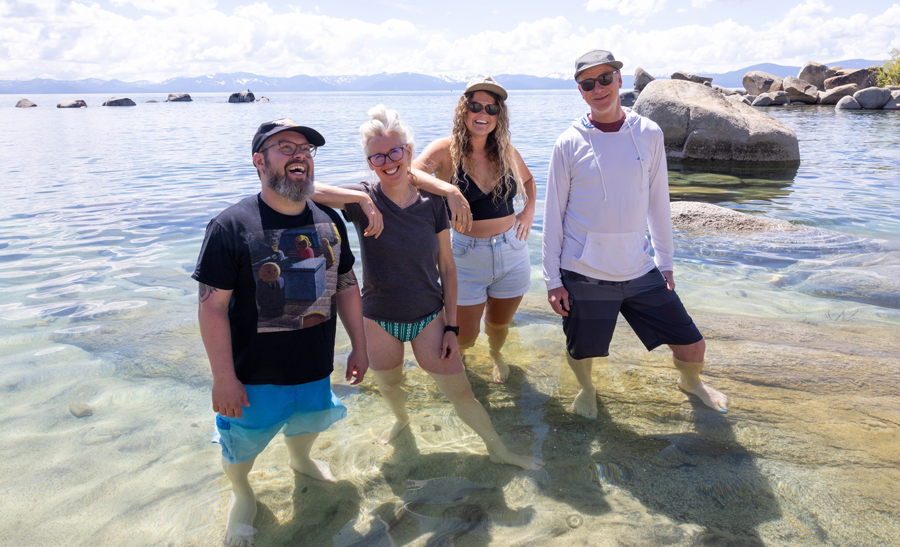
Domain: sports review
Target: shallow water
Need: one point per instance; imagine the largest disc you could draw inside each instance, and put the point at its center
(104, 213)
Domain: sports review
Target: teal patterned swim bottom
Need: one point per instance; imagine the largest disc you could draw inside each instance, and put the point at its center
(407, 332)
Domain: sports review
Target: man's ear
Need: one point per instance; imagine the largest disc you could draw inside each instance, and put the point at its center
(259, 161)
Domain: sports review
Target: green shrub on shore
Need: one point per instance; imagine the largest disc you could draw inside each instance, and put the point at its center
(889, 72)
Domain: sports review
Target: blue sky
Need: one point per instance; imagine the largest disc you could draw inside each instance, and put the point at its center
(159, 39)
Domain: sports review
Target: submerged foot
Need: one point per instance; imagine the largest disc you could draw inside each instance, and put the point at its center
(239, 530)
(391, 434)
(710, 397)
(316, 469)
(509, 458)
(501, 369)
(585, 403)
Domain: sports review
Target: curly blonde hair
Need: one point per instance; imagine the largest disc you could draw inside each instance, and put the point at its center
(500, 152)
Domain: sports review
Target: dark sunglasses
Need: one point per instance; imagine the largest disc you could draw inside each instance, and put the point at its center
(604, 79)
(395, 154)
(490, 109)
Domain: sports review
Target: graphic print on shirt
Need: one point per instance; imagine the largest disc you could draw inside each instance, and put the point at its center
(296, 273)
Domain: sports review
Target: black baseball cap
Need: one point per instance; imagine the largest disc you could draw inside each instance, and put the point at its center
(275, 127)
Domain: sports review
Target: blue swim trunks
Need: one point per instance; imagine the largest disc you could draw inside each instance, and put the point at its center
(300, 409)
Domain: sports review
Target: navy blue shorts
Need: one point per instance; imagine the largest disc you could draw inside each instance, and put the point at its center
(655, 313)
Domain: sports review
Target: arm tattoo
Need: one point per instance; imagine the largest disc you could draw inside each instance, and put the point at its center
(205, 292)
(345, 281)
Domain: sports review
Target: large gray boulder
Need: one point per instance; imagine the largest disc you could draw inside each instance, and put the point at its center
(687, 76)
(179, 98)
(757, 82)
(641, 79)
(872, 98)
(24, 103)
(119, 101)
(774, 98)
(894, 102)
(862, 77)
(800, 91)
(77, 103)
(693, 215)
(848, 103)
(700, 124)
(832, 96)
(816, 74)
(242, 97)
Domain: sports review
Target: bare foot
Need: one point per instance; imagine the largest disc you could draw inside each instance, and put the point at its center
(239, 530)
(391, 434)
(710, 397)
(525, 462)
(316, 469)
(585, 403)
(501, 369)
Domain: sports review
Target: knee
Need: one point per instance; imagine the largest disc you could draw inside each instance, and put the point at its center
(492, 329)
(466, 342)
(693, 353)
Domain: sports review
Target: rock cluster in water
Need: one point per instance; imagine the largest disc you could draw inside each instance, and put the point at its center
(814, 84)
(239, 97)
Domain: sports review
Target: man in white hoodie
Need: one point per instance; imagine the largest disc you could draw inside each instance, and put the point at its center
(607, 184)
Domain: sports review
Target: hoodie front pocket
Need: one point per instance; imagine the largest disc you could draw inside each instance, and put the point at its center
(618, 255)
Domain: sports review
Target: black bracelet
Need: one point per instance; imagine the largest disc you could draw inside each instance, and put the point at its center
(454, 330)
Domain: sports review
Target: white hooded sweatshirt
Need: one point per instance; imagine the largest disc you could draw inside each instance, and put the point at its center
(603, 191)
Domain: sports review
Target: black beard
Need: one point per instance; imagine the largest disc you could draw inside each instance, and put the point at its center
(296, 192)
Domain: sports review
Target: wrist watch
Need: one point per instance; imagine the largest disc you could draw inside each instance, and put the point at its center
(454, 330)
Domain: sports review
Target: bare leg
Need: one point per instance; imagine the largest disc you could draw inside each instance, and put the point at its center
(456, 388)
(689, 362)
(499, 314)
(239, 530)
(469, 318)
(385, 363)
(299, 448)
(586, 401)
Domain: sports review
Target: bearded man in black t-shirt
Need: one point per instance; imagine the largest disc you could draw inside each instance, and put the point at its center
(268, 316)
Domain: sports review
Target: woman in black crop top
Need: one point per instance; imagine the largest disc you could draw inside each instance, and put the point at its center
(485, 174)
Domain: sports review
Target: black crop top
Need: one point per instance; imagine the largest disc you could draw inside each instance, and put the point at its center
(482, 205)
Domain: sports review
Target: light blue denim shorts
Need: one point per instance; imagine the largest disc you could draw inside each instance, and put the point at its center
(496, 267)
(300, 409)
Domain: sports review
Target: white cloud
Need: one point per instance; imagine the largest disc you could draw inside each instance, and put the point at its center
(72, 40)
(638, 9)
(700, 3)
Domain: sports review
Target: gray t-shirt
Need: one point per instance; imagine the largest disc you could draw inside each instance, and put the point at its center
(401, 282)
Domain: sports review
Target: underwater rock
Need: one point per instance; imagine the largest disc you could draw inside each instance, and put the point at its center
(700, 124)
(692, 215)
(80, 410)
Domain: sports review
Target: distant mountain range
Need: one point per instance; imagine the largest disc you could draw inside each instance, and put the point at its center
(403, 81)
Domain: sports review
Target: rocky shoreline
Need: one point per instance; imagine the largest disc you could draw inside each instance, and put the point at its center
(851, 89)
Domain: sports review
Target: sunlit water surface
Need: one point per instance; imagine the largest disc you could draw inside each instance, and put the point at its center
(103, 214)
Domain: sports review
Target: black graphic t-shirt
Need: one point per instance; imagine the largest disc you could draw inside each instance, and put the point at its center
(283, 270)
